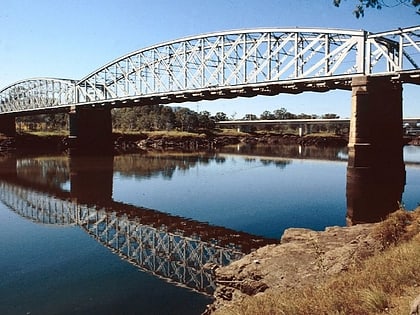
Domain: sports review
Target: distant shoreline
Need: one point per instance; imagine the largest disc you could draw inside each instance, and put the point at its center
(149, 141)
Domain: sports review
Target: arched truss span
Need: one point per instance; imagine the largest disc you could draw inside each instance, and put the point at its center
(230, 64)
(37, 94)
(252, 60)
(228, 59)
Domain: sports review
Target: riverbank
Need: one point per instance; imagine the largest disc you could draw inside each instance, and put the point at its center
(174, 140)
(363, 269)
(180, 141)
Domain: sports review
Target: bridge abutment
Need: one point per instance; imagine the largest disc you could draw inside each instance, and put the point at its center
(8, 125)
(91, 129)
(375, 173)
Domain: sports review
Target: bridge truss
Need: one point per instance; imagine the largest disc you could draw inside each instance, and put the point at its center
(230, 64)
(174, 257)
(37, 94)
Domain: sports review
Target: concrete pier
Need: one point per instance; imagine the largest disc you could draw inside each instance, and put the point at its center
(8, 125)
(91, 129)
(375, 173)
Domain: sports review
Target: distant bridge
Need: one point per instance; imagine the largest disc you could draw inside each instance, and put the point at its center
(303, 124)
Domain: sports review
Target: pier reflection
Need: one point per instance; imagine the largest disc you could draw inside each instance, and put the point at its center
(79, 191)
(176, 249)
(373, 193)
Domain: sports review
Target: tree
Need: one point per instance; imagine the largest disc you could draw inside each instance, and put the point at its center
(205, 121)
(359, 10)
(305, 116)
(282, 113)
(250, 117)
(186, 119)
(330, 116)
(220, 116)
(267, 115)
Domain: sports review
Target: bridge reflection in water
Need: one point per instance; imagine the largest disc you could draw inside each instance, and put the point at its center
(176, 249)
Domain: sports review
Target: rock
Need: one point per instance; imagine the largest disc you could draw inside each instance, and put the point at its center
(303, 257)
(415, 306)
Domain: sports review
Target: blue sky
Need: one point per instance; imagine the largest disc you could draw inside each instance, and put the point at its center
(72, 38)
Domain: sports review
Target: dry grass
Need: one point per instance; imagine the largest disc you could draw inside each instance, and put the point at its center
(173, 134)
(230, 132)
(385, 283)
(46, 133)
(323, 134)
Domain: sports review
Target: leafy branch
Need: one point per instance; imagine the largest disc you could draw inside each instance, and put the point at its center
(359, 10)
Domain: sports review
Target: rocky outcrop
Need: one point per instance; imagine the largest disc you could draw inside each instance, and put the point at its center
(303, 257)
(415, 306)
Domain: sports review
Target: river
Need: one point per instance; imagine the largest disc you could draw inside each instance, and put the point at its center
(138, 233)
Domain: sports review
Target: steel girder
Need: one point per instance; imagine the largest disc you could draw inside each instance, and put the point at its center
(230, 64)
(394, 51)
(168, 255)
(37, 94)
(227, 60)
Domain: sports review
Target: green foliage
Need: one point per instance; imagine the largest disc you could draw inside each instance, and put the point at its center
(44, 122)
(220, 116)
(159, 117)
(359, 10)
(165, 118)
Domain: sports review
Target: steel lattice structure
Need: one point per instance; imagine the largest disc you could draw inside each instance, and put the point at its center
(168, 255)
(230, 64)
(37, 94)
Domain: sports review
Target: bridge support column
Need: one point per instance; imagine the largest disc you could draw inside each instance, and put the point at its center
(91, 179)
(304, 129)
(8, 125)
(91, 129)
(375, 172)
(8, 167)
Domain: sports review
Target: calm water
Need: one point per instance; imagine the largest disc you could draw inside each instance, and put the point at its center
(132, 234)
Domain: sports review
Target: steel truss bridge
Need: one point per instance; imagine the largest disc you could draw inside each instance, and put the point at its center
(151, 240)
(227, 65)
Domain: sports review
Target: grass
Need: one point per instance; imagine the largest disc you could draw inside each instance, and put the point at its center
(323, 134)
(173, 134)
(46, 133)
(230, 132)
(384, 283)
